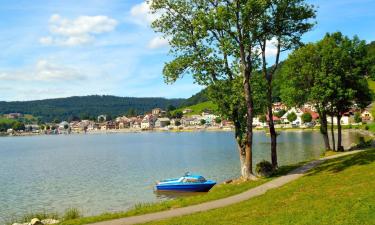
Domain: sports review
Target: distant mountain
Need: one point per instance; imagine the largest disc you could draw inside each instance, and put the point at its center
(86, 107)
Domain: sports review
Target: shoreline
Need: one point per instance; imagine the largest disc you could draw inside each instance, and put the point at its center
(160, 130)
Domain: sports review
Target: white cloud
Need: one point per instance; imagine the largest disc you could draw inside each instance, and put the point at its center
(78, 31)
(141, 14)
(271, 49)
(43, 71)
(158, 42)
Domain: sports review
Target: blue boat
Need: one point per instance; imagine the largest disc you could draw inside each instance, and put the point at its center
(188, 182)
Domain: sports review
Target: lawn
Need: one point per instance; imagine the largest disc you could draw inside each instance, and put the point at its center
(200, 107)
(340, 191)
(219, 191)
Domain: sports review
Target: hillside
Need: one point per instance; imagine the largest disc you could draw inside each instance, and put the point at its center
(199, 108)
(86, 107)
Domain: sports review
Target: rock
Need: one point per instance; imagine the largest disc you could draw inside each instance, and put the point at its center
(36, 221)
(50, 221)
(20, 224)
(228, 181)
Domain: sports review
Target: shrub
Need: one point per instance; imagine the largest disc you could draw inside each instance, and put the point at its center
(291, 117)
(264, 169)
(357, 117)
(306, 117)
(72, 213)
(367, 127)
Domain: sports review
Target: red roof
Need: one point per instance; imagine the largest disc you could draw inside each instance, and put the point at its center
(314, 115)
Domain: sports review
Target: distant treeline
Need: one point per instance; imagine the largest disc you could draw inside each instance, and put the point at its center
(87, 107)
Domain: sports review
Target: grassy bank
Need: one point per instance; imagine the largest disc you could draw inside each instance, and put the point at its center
(340, 191)
(219, 191)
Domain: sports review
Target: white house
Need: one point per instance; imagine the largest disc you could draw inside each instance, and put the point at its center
(162, 122)
(147, 122)
(295, 110)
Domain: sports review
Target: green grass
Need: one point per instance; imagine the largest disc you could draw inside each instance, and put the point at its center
(371, 85)
(218, 192)
(340, 191)
(200, 107)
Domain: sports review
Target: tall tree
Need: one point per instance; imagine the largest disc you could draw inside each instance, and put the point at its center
(211, 40)
(283, 22)
(329, 74)
(302, 81)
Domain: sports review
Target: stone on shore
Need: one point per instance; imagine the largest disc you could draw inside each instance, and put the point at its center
(50, 221)
(36, 221)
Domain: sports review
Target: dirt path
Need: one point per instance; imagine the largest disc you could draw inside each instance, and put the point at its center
(278, 182)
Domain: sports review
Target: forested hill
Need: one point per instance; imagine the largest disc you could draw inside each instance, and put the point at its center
(86, 107)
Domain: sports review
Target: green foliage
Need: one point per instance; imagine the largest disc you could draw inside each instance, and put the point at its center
(176, 114)
(196, 99)
(202, 122)
(291, 117)
(357, 117)
(89, 106)
(198, 108)
(218, 120)
(72, 213)
(177, 123)
(262, 118)
(280, 113)
(264, 169)
(306, 117)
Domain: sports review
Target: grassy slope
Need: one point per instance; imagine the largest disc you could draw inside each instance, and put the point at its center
(198, 108)
(219, 191)
(371, 84)
(341, 191)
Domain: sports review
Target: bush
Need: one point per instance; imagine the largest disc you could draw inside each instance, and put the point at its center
(306, 117)
(72, 213)
(264, 169)
(357, 117)
(367, 127)
(291, 117)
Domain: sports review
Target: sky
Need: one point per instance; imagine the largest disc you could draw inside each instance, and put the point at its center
(54, 48)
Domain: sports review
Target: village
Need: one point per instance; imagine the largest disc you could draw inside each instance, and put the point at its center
(160, 120)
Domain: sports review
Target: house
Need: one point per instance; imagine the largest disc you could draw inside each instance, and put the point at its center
(209, 118)
(185, 111)
(109, 125)
(32, 128)
(278, 106)
(123, 122)
(312, 112)
(258, 123)
(162, 122)
(63, 125)
(366, 116)
(13, 115)
(188, 121)
(297, 121)
(174, 122)
(102, 118)
(156, 111)
(147, 122)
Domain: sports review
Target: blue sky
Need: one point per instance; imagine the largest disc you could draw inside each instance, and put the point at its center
(56, 48)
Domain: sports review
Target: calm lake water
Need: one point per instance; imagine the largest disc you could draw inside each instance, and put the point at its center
(112, 172)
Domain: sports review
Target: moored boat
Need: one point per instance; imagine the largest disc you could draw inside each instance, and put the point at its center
(188, 182)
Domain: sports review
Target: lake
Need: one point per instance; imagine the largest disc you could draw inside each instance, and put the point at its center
(112, 172)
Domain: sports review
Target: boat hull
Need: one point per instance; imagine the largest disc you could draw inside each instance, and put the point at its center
(204, 187)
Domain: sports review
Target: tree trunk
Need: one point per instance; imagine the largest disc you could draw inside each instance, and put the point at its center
(272, 127)
(333, 134)
(249, 125)
(324, 128)
(339, 135)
